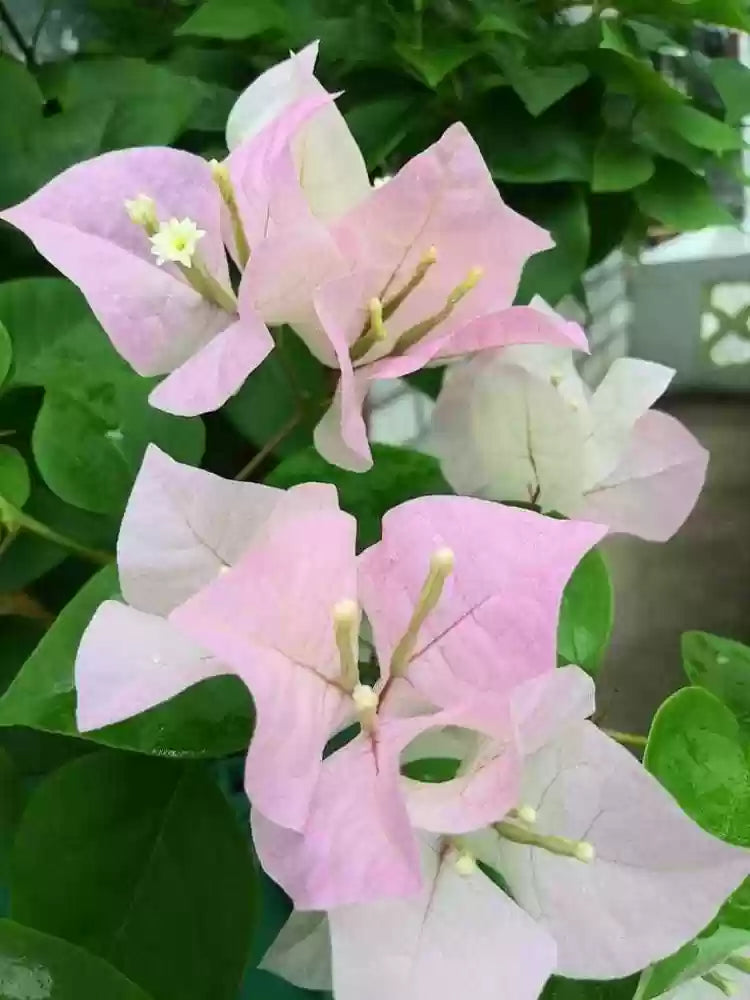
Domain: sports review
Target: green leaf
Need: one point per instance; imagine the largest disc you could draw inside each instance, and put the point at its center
(11, 806)
(619, 165)
(157, 878)
(380, 126)
(703, 130)
(234, 19)
(434, 63)
(506, 21)
(586, 614)
(15, 485)
(398, 474)
(6, 353)
(30, 556)
(722, 667)
(36, 966)
(148, 104)
(211, 719)
(290, 381)
(89, 442)
(697, 751)
(692, 961)
(570, 989)
(732, 80)
(554, 272)
(96, 421)
(679, 199)
(539, 87)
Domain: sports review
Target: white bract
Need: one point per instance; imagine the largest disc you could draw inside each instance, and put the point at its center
(520, 425)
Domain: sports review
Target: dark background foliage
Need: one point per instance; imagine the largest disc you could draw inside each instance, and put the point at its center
(124, 857)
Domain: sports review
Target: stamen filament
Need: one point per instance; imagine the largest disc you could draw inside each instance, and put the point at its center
(424, 265)
(375, 333)
(581, 850)
(441, 566)
(223, 181)
(366, 702)
(524, 814)
(346, 629)
(206, 285)
(721, 983)
(420, 330)
(739, 962)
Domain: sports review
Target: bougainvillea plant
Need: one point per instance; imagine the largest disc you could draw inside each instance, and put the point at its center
(398, 649)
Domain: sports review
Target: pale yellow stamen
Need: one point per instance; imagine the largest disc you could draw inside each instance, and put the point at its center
(142, 211)
(721, 983)
(526, 814)
(425, 263)
(441, 567)
(375, 332)
(223, 181)
(366, 703)
(346, 618)
(420, 330)
(581, 850)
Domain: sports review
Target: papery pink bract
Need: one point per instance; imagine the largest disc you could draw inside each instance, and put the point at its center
(496, 624)
(655, 879)
(271, 618)
(459, 934)
(358, 844)
(182, 527)
(156, 320)
(443, 199)
(656, 484)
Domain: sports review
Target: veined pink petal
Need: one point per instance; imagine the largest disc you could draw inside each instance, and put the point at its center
(460, 936)
(656, 879)
(488, 779)
(545, 707)
(129, 661)
(217, 371)
(444, 198)
(270, 618)
(495, 624)
(183, 525)
(357, 844)
(80, 224)
(266, 184)
(656, 484)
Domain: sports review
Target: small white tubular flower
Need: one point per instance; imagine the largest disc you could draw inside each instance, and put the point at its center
(176, 241)
(142, 210)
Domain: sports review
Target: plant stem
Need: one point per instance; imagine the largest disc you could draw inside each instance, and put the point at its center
(15, 520)
(627, 739)
(15, 34)
(269, 446)
(39, 25)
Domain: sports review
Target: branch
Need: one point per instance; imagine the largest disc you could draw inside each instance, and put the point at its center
(15, 33)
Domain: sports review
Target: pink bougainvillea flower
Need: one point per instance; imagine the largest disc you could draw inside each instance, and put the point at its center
(519, 424)
(596, 850)
(497, 624)
(460, 935)
(328, 162)
(358, 843)
(182, 529)
(462, 638)
(425, 267)
(140, 231)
